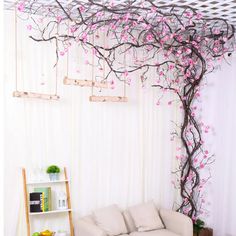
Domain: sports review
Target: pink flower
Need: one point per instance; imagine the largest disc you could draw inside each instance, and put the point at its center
(62, 53)
(153, 9)
(72, 29)
(170, 103)
(126, 17)
(134, 23)
(189, 14)
(84, 37)
(21, 6)
(99, 14)
(149, 37)
(82, 8)
(202, 166)
(59, 19)
(29, 27)
(140, 18)
(199, 16)
(112, 84)
(126, 73)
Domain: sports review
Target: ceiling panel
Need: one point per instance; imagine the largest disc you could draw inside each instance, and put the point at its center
(209, 8)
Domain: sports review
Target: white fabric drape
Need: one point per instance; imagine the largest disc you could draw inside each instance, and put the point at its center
(219, 112)
(115, 153)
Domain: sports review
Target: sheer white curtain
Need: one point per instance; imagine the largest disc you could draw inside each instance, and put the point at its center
(219, 111)
(115, 153)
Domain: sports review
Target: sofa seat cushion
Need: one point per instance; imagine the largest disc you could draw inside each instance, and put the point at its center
(160, 232)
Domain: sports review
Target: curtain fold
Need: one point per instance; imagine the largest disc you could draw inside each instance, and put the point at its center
(218, 108)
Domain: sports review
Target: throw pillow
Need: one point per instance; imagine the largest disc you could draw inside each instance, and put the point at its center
(146, 217)
(110, 219)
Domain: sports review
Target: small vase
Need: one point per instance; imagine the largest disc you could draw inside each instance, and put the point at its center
(54, 176)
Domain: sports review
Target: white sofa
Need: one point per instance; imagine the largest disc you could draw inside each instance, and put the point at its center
(175, 224)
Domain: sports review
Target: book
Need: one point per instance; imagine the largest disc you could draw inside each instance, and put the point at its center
(47, 197)
(36, 202)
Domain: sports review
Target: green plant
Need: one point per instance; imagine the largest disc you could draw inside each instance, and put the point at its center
(53, 169)
(198, 225)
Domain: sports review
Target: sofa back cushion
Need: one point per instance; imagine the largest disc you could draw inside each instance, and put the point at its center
(146, 217)
(111, 220)
(129, 222)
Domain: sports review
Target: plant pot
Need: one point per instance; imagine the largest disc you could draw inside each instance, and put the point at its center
(205, 232)
(54, 176)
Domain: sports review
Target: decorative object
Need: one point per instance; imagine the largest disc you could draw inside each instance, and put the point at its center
(175, 43)
(61, 201)
(62, 233)
(36, 234)
(47, 233)
(53, 172)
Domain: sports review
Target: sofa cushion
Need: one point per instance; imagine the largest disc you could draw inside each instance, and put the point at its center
(110, 219)
(146, 217)
(160, 232)
(129, 222)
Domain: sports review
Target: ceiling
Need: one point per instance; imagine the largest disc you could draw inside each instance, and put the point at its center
(209, 8)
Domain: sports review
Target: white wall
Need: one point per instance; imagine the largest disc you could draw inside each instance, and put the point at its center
(115, 153)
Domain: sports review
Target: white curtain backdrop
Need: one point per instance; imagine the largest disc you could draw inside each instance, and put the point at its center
(115, 153)
(219, 99)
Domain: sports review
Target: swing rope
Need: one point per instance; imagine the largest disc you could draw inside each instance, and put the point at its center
(24, 94)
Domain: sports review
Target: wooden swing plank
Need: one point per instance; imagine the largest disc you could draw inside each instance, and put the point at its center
(85, 83)
(107, 99)
(20, 94)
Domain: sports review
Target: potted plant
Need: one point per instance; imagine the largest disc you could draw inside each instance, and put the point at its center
(199, 229)
(198, 225)
(53, 172)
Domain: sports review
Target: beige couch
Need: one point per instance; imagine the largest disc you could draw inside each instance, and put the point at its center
(175, 224)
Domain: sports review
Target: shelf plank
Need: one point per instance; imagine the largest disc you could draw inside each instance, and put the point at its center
(49, 212)
(48, 182)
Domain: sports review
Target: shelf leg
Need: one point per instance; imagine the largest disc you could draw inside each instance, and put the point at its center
(69, 204)
(26, 202)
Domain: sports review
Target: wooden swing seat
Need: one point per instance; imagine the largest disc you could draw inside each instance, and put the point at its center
(23, 94)
(85, 83)
(108, 99)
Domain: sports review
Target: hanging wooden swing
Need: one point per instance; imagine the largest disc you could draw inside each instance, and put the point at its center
(79, 82)
(27, 94)
(85, 83)
(94, 98)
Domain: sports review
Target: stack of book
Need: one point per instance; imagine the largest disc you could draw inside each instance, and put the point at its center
(40, 200)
